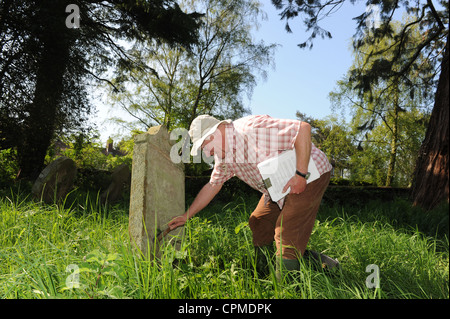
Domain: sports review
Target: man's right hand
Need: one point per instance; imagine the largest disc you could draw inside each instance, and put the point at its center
(202, 199)
(177, 222)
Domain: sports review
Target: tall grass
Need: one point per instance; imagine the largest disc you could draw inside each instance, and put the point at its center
(80, 249)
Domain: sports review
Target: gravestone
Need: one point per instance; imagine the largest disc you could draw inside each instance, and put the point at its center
(157, 189)
(55, 181)
(120, 178)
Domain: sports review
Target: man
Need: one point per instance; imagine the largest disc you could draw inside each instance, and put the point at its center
(238, 146)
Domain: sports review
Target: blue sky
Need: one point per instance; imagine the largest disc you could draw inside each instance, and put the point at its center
(302, 78)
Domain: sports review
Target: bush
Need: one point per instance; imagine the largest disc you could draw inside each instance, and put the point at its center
(92, 179)
(357, 195)
(231, 190)
(93, 166)
(8, 168)
(338, 181)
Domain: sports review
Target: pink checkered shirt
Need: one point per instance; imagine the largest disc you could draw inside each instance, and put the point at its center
(253, 139)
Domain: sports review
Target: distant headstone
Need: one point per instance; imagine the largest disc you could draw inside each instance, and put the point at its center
(157, 188)
(120, 178)
(56, 180)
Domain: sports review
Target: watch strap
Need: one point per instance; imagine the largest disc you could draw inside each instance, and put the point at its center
(300, 173)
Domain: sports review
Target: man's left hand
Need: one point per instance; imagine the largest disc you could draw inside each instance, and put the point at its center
(297, 185)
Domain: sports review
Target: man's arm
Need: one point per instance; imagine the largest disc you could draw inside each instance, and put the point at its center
(302, 146)
(203, 198)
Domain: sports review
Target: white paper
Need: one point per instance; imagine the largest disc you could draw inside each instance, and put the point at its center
(277, 171)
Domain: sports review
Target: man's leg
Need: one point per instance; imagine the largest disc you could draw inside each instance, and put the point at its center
(296, 221)
(262, 222)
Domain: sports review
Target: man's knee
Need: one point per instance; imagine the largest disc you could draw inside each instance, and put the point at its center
(262, 230)
(253, 223)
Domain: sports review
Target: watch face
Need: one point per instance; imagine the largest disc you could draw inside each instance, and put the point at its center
(307, 175)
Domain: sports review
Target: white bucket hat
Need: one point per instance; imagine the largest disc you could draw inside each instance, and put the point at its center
(202, 127)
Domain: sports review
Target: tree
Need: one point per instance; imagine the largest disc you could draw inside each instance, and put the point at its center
(431, 174)
(210, 79)
(34, 77)
(334, 138)
(389, 106)
(45, 65)
(430, 185)
(371, 161)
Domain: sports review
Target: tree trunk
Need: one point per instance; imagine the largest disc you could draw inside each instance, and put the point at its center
(196, 102)
(40, 123)
(394, 140)
(430, 184)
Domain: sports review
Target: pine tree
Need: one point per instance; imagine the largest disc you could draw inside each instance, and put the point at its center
(45, 65)
(432, 169)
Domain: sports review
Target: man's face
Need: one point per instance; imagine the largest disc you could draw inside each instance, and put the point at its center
(213, 145)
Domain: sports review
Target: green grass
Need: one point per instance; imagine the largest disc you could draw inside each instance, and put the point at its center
(40, 246)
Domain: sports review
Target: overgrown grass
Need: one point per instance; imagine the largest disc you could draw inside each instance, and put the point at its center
(82, 250)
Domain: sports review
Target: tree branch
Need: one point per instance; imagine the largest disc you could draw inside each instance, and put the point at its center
(435, 15)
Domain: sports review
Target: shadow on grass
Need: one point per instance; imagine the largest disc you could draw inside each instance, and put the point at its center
(399, 213)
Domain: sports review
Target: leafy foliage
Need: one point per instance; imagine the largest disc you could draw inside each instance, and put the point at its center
(8, 168)
(171, 85)
(334, 138)
(390, 116)
(45, 66)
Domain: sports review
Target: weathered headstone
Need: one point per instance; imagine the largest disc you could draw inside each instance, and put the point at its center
(157, 188)
(56, 180)
(120, 178)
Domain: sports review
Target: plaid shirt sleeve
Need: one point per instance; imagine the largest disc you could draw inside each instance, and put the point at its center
(220, 174)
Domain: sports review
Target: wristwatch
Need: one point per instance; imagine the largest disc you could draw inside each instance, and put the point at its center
(305, 176)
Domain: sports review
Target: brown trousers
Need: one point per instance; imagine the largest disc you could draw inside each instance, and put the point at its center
(292, 226)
